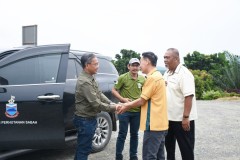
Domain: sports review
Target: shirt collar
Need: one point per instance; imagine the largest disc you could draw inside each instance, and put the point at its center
(130, 76)
(176, 70)
(88, 75)
(152, 71)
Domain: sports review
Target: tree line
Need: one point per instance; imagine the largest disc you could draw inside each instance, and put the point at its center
(216, 75)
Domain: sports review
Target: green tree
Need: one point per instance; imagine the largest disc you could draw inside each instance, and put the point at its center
(123, 58)
(219, 61)
(230, 79)
(224, 69)
(212, 63)
(195, 61)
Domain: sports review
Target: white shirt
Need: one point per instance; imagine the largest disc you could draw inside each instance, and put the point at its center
(179, 85)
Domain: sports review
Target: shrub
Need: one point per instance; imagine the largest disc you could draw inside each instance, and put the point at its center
(209, 95)
(203, 83)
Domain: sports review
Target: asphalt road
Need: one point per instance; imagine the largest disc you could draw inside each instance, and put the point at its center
(217, 137)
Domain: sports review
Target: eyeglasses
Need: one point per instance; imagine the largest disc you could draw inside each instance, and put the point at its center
(94, 64)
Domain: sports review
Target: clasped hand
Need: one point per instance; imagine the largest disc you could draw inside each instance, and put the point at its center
(121, 108)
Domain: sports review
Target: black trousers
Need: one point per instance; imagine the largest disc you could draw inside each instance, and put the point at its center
(185, 139)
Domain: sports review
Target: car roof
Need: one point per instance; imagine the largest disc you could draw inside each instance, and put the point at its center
(7, 52)
(79, 53)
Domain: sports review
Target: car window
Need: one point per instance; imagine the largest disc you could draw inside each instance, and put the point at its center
(79, 67)
(71, 71)
(106, 66)
(33, 70)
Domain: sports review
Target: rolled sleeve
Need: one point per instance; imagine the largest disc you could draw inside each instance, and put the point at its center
(118, 85)
(187, 85)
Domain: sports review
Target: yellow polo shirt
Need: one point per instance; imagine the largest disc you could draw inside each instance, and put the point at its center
(154, 111)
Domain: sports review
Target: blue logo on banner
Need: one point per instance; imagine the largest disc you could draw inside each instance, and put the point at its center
(11, 108)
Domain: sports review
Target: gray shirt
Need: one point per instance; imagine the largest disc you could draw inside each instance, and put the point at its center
(89, 100)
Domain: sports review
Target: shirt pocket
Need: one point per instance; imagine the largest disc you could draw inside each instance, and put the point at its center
(172, 83)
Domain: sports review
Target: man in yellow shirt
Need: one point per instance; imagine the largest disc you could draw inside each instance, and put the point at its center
(154, 120)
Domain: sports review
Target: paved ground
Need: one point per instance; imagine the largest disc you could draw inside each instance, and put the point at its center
(217, 136)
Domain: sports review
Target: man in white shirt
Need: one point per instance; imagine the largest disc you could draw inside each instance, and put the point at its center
(181, 102)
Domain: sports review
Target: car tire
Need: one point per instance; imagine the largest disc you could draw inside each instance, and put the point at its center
(103, 132)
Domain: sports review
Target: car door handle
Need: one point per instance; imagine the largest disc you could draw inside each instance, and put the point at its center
(49, 97)
(3, 90)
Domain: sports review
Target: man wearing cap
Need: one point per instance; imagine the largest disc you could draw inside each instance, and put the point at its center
(128, 88)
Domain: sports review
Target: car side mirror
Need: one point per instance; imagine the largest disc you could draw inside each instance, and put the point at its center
(3, 81)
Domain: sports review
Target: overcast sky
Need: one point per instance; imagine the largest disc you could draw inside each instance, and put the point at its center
(107, 26)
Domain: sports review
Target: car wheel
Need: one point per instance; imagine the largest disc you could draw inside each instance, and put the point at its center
(103, 132)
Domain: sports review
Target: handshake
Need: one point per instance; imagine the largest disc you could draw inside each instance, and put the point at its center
(120, 107)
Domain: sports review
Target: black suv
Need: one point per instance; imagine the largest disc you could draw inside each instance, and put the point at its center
(37, 87)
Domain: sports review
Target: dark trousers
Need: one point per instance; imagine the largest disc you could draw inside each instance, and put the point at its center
(153, 145)
(86, 128)
(185, 139)
(125, 119)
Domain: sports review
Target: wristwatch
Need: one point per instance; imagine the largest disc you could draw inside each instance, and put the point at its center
(185, 116)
